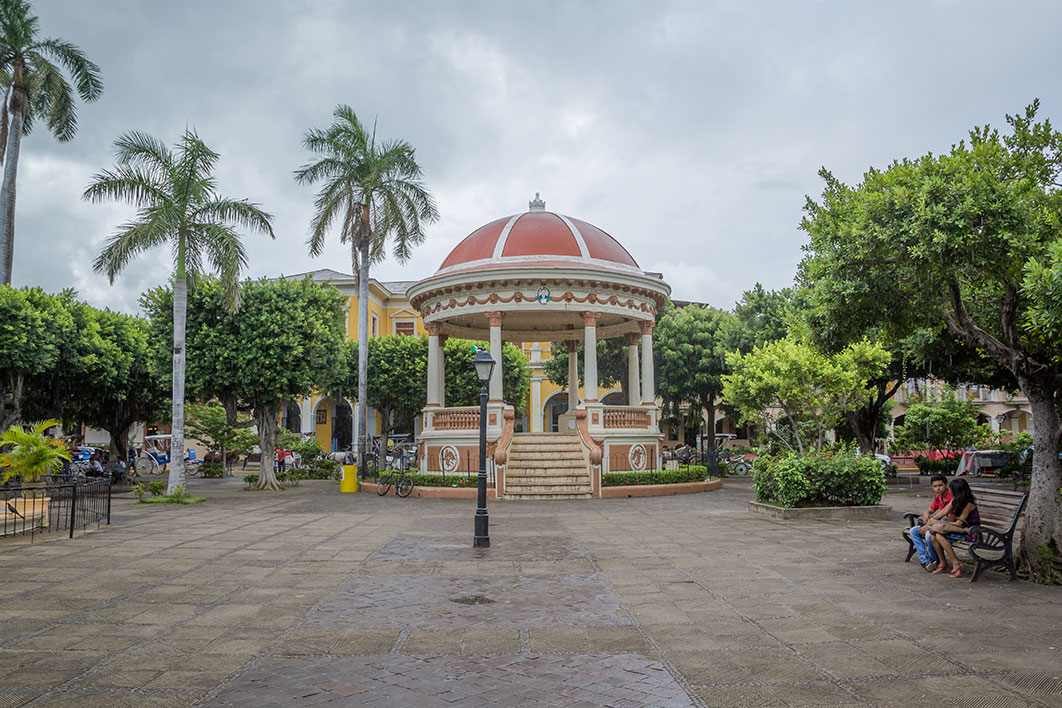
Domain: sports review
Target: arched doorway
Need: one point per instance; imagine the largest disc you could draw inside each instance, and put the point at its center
(556, 406)
(342, 425)
(292, 417)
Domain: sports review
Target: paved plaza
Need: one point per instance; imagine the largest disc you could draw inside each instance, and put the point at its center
(308, 597)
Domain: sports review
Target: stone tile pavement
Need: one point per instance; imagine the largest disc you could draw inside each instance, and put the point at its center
(307, 597)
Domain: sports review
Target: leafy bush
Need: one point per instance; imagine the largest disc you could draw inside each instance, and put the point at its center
(156, 487)
(693, 473)
(138, 490)
(834, 477)
(438, 480)
(212, 470)
(250, 479)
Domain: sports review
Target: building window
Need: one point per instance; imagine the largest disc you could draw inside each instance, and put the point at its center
(375, 326)
(405, 328)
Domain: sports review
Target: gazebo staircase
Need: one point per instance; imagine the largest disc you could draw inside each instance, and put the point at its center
(546, 466)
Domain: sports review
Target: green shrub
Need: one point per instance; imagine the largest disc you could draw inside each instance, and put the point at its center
(250, 479)
(211, 470)
(438, 480)
(179, 492)
(156, 487)
(323, 468)
(834, 477)
(138, 490)
(693, 473)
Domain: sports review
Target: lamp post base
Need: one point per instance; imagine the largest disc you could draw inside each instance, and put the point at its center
(481, 539)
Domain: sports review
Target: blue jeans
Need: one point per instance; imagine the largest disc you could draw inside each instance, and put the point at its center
(922, 544)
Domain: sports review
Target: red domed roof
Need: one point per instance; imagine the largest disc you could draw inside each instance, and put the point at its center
(538, 238)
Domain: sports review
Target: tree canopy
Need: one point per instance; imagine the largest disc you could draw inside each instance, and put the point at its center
(965, 240)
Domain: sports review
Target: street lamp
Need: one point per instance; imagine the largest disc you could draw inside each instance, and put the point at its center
(484, 368)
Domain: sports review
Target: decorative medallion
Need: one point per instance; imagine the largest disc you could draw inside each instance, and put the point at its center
(543, 295)
(449, 458)
(637, 458)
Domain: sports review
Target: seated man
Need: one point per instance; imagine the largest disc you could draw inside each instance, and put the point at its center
(920, 534)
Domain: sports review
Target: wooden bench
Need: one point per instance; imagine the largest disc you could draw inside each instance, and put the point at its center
(993, 544)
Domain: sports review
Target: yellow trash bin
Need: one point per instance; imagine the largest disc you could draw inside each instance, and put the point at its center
(349, 482)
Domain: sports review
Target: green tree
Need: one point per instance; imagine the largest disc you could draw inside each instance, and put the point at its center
(31, 452)
(34, 89)
(951, 237)
(763, 316)
(611, 364)
(944, 425)
(689, 350)
(398, 370)
(33, 325)
(374, 192)
(790, 383)
(462, 386)
(175, 193)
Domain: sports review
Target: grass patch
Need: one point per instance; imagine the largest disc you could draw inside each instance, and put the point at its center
(172, 500)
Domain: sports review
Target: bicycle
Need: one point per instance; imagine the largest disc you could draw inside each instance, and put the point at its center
(402, 482)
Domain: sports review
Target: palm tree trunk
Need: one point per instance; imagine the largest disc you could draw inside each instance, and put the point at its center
(363, 346)
(7, 189)
(180, 312)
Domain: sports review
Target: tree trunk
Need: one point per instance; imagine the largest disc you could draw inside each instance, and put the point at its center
(1043, 517)
(266, 417)
(9, 417)
(180, 311)
(120, 442)
(7, 189)
(713, 445)
(363, 347)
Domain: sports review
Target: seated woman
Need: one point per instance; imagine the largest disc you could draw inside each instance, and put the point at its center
(961, 514)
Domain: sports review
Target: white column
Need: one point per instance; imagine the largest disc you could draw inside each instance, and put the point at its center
(648, 382)
(433, 364)
(535, 414)
(441, 380)
(573, 376)
(634, 381)
(306, 424)
(590, 355)
(495, 390)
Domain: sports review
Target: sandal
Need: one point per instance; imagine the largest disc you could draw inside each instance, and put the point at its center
(957, 571)
(930, 566)
(942, 568)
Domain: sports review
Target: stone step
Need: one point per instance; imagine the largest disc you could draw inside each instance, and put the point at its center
(550, 479)
(523, 454)
(547, 448)
(546, 464)
(530, 496)
(545, 488)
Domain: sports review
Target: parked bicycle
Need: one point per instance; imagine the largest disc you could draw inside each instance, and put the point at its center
(402, 482)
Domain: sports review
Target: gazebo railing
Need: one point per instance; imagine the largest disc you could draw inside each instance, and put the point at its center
(627, 417)
(455, 419)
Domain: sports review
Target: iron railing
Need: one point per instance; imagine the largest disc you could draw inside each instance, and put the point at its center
(54, 506)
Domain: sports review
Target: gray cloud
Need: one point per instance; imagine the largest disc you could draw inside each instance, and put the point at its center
(690, 131)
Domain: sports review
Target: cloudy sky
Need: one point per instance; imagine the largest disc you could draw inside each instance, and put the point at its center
(690, 131)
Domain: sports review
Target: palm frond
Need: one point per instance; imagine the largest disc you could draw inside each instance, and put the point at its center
(85, 72)
(133, 238)
(237, 211)
(126, 183)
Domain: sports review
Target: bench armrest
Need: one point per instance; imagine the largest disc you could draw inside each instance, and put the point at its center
(912, 519)
(988, 539)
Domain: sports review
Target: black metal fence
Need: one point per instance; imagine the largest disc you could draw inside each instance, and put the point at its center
(55, 506)
(468, 467)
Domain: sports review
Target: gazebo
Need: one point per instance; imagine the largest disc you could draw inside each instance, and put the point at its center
(539, 276)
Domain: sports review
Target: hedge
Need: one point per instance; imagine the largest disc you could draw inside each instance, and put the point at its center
(927, 465)
(835, 477)
(693, 473)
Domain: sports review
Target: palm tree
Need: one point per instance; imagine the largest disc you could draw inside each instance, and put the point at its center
(31, 452)
(175, 194)
(34, 89)
(373, 192)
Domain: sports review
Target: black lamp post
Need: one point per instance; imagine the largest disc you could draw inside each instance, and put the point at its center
(484, 368)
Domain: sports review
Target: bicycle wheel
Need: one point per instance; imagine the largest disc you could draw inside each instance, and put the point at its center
(147, 463)
(191, 468)
(384, 485)
(741, 469)
(404, 487)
